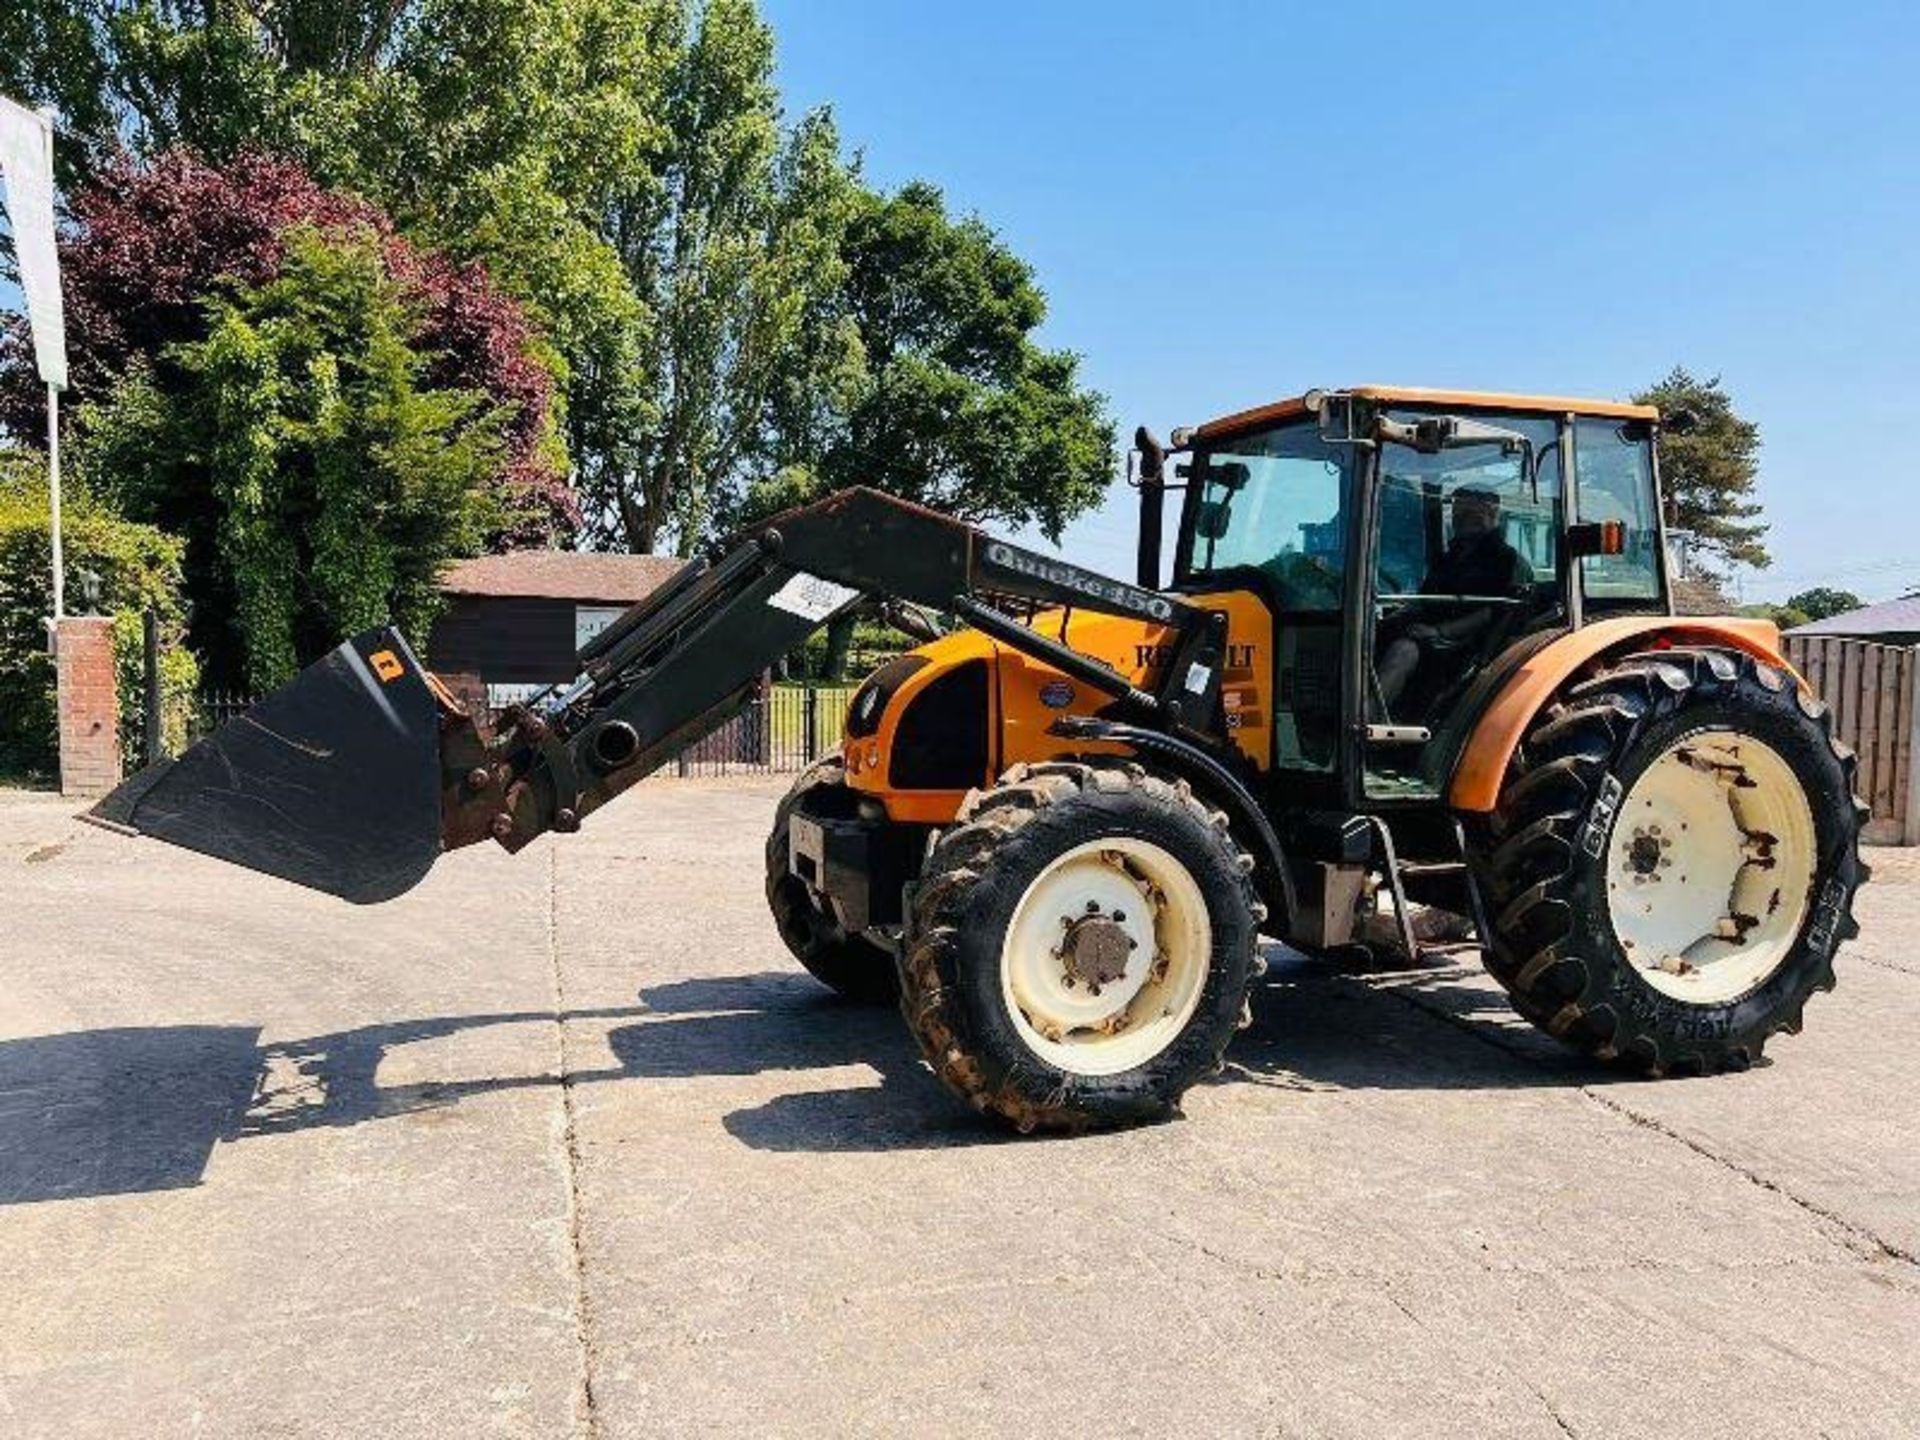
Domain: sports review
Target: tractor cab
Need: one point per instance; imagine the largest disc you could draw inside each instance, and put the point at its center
(1414, 547)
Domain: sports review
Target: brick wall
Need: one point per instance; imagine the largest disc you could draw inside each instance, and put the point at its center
(89, 708)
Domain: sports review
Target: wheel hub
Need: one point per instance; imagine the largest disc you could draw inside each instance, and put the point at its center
(1106, 956)
(1095, 949)
(1643, 854)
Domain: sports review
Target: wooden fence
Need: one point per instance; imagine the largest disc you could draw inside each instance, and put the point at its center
(1870, 689)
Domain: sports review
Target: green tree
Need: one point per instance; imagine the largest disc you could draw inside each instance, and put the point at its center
(733, 243)
(941, 396)
(1823, 601)
(517, 135)
(724, 297)
(957, 407)
(320, 482)
(492, 129)
(1709, 470)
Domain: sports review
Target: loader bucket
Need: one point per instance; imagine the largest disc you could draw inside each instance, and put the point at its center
(332, 781)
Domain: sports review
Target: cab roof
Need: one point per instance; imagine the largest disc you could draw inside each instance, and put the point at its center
(1455, 399)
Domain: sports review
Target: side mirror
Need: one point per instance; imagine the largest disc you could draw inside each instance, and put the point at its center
(1229, 475)
(1597, 537)
(1210, 520)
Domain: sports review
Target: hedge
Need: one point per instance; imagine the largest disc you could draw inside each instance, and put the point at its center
(139, 568)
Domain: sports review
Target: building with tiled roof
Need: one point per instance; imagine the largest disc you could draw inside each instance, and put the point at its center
(514, 622)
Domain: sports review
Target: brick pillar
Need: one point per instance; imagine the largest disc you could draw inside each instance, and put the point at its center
(89, 706)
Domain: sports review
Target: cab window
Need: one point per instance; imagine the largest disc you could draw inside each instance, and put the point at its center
(1614, 463)
(1425, 498)
(1276, 501)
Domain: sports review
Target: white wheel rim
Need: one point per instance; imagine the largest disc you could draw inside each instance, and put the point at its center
(1710, 867)
(1135, 910)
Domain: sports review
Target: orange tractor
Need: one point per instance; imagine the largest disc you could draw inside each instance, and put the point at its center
(1416, 647)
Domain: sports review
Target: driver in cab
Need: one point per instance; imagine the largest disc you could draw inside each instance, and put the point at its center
(1478, 565)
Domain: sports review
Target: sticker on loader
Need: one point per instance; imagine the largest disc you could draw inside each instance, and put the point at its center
(386, 665)
(811, 597)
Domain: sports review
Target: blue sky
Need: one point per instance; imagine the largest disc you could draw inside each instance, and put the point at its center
(1231, 202)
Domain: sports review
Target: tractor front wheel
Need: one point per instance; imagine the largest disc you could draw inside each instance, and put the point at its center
(1080, 947)
(1673, 861)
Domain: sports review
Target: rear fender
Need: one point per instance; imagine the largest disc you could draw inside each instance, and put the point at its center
(1483, 764)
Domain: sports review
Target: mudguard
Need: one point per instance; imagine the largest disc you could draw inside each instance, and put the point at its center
(1483, 765)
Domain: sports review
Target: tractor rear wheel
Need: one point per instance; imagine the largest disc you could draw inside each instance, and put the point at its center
(851, 965)
(1673, 861)
(1080, 946)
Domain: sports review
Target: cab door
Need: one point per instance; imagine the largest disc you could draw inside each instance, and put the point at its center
(1464, 562)
(1270, 513)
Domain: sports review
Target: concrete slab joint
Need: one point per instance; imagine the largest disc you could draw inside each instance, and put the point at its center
(88, 704)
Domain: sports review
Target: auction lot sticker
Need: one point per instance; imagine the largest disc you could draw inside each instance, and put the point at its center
(811, 597)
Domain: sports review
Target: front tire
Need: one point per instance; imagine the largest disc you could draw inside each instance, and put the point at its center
(1673, 862)
(1080, 947)
(852, 966)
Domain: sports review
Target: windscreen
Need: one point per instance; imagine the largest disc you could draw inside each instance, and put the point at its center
(1276, 501)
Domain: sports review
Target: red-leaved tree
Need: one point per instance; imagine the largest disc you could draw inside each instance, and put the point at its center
(149, 242)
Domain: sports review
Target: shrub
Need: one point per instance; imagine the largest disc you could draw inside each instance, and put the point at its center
(319, 479)
(138, 566)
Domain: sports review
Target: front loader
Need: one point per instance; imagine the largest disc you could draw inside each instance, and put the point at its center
(1416, 646)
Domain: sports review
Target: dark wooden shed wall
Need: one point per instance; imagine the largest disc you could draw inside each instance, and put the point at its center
(505, 640)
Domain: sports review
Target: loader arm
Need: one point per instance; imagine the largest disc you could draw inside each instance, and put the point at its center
(330, 781)
(682, 662)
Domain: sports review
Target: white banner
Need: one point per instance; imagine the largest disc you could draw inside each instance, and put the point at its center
(26, 164)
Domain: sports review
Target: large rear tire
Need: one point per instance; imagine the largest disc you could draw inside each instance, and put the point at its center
(851, 965)
(1080, 947)
(1673, 861)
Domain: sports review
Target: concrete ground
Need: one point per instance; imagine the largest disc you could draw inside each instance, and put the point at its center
(567, 1146)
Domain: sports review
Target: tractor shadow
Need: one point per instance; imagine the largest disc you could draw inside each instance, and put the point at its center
(1440, 1024)
(137, 1109)
(784, 1022)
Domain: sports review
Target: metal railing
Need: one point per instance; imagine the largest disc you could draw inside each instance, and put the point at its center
(213, 708)
(781, 731)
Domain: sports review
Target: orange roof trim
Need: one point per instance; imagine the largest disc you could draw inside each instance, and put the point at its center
(1411, 395)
